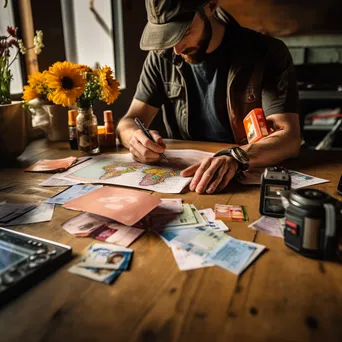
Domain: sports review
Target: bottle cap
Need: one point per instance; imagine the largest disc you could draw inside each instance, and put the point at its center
(72, 114)
(108, 115)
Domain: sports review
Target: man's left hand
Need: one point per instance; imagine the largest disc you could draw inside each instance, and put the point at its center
(212, 174)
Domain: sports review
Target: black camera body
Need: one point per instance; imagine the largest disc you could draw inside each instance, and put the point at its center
(273, 181)
(313, 223)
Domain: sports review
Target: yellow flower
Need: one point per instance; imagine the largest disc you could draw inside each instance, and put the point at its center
(29, 93)
(67, 82)
(84, 68)
(109, 85)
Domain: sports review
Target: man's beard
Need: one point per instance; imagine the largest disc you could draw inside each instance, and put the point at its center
(196, 55)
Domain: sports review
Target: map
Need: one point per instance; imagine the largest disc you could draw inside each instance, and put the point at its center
(121, 169)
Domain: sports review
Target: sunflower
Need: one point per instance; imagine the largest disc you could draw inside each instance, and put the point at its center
(29, 93)
(66, 81)
(109, 85)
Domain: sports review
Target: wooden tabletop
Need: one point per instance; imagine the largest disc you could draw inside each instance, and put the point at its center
(281, 297)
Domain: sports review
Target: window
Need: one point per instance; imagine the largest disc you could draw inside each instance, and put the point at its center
(93, 34)
(7, 19)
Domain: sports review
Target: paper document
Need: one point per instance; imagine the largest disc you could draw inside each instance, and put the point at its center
(187, 261)
(122, 205)
(42, 213)
(72, 193)
(209, 217)
(121, 169)
(270, 225)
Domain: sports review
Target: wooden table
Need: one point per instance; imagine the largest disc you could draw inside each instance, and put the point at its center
(281, 297)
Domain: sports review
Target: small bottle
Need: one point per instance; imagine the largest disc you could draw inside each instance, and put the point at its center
(72, 114)
(109, 128)
(87, 136)
(102, 135)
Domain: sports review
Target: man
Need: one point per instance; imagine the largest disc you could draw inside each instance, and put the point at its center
(207, 72)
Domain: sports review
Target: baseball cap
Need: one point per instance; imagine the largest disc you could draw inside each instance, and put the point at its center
(168, 21)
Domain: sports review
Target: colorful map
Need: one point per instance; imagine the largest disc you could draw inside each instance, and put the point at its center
(121, 169)
(152, 176)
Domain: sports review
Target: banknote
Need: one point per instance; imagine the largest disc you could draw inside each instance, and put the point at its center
(100, 255)
(269, 225)
(199, 240)
(232, 255)
(187, 261)
(209, 217)
(231, 212)
(168, 206)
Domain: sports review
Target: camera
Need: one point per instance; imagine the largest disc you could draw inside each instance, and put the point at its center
(313, 223)
(273, 181)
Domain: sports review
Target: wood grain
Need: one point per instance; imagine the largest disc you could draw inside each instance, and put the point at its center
(281, 297)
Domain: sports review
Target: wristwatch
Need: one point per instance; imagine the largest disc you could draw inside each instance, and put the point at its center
(238, 154)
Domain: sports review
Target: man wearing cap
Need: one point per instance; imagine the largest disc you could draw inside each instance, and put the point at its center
(206, 73)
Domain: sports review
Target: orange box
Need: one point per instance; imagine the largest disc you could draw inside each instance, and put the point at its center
(255, 125)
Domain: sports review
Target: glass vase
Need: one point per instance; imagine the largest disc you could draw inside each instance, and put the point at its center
(86, 126)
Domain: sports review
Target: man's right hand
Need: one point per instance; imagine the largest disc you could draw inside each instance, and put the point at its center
(145, 150)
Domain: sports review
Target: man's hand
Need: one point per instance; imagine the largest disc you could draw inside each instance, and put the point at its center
(212, 174)
(145, 150)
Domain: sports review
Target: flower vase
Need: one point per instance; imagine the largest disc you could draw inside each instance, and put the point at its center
(13, 131)
(87, 136)
(51, 118)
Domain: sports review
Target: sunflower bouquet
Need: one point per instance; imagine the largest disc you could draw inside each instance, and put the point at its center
(66, 83)
(69, 84)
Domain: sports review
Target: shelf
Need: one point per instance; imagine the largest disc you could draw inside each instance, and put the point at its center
(320, 95)
(319, 128)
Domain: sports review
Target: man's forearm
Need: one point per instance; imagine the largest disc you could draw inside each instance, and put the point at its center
(125, 130)
(273, 149)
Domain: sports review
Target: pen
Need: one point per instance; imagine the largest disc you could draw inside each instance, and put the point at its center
(147, 133)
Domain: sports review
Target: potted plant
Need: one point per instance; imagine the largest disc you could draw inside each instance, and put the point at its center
(13, 137)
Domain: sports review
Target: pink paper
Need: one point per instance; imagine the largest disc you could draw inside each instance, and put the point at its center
(45, 165)
(122, 205)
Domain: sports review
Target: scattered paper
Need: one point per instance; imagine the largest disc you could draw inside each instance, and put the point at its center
(121, 205)
(300, 180)
(232, 255)
(84, 224)
(231, 212)
(42, 213)
(53, 181)
(118, 234)
(270, 225)
(168, 206)
(10, 211)
(101, 255)
(199, 241)
(209, 217)
(71, 193)
(56, 165)
(187, 261)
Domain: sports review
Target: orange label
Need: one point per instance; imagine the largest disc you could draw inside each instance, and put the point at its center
(255, 125)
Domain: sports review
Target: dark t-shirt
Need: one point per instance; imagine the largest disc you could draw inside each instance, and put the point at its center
(207, 93)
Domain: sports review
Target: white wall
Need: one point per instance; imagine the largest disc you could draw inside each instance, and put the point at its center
(7, 19)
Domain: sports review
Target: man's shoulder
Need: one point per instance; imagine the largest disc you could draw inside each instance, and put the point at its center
(261, 40)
